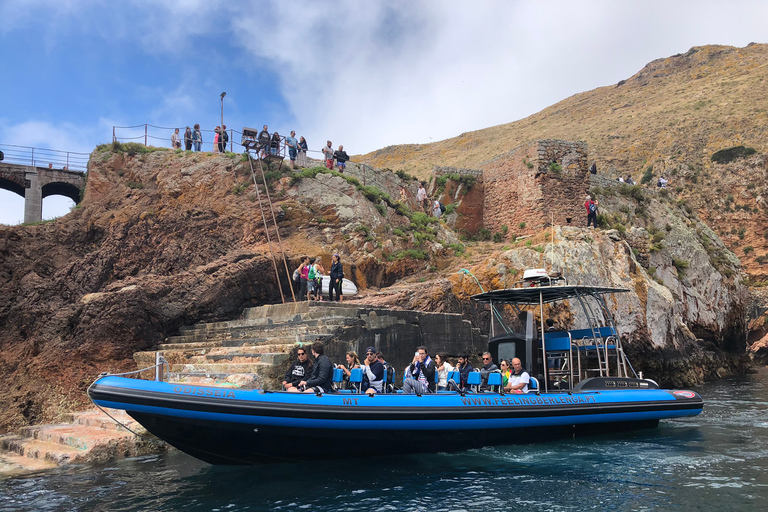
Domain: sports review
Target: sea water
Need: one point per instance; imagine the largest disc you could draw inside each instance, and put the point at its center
(715, 461)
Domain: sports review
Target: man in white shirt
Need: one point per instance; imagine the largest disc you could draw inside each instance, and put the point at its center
(519, 379)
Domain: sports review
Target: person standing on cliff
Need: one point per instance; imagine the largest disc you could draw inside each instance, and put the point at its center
(264, 139)
(341, 158)
(176, 139)
(223, 139)
(303, 148)
(188, 139)
(337, 277)
(328, 155)
(421, 197)
(197, 137)
(216, 139)
(591, 207)
(293, 147)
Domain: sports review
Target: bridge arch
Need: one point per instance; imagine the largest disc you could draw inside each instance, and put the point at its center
(62, 189)
(11, 186)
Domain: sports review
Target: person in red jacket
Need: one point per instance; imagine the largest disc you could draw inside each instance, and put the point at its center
(591, 207)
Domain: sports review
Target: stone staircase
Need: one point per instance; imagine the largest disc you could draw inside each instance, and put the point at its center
(83, 437)
(251, 351)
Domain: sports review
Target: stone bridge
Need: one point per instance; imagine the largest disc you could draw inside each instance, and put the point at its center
(36, 183)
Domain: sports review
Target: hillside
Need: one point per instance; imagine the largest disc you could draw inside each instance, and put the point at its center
(669, 118)
(675, 111)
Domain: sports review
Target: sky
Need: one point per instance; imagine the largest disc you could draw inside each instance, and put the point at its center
(365, 74)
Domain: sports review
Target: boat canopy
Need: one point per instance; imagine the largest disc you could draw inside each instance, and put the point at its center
(535, 295)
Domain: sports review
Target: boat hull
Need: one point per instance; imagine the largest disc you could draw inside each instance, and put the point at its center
(230, 426)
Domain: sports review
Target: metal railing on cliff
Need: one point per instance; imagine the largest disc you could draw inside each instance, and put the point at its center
(161, 136)
(43, 157)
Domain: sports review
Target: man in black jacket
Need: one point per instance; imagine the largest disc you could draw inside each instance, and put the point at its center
(488, 367)
(298, 371)
(321, 380)
(264, 139)
(420, 377)
(464, 368)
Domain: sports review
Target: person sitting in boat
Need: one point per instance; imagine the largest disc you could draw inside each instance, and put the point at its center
(373, 372)
(420, 375)
(506, 372)
(488, 367)
(465, 368)
(299, 370)
(352, 362)
(519, 379)
(551, 325)
(443, 369)
(321, 380)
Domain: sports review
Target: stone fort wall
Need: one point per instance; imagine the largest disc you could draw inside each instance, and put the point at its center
(539, 183)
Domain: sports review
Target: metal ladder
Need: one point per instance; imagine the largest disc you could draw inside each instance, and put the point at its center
(266, 226)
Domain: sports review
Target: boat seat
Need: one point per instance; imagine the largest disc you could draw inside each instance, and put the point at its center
(454, 376)
(533, 385)
(495, 381)
(356, 379)
(338, 378)
(388, 386)
(473, 380)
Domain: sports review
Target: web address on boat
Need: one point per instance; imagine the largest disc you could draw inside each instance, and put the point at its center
(529, 400)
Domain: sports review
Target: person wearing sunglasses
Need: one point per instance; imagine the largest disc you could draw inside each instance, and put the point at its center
(321, 379)
(299, 370)
(488, 367)
(420, 376)
(373, 372)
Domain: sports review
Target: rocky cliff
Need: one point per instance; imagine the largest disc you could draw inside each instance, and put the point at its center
(164, 238)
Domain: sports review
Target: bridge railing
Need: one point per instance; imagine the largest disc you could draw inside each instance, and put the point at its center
(42, 157)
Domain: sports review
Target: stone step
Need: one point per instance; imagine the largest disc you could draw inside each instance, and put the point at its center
(98, 419)
(41, 450)
(74, 436)
(189, 346)
(270, 358)
(258, 331)
(13, 464)
(279, 311)
(220, 368)
(224, 380)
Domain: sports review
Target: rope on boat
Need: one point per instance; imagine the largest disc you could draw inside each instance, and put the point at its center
(106, 374)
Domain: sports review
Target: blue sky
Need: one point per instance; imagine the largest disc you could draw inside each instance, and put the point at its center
(365, 74)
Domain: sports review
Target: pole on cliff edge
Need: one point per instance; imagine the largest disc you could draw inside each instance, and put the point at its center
(222, 111)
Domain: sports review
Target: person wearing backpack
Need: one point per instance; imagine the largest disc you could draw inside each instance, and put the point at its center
(591, 207)
(311, 282)
(437, 211)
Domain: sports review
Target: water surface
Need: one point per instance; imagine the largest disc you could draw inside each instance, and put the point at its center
(715, 461)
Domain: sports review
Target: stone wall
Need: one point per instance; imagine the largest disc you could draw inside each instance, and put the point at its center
(538, 184)
(468, 212)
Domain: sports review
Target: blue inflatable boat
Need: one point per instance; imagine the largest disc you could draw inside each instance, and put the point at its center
(582, 384)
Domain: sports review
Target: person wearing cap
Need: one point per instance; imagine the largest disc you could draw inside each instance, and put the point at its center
(420, 375)
(321, 380)
(373, 372)
(337, 277)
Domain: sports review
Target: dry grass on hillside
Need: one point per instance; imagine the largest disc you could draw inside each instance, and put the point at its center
(674, 112)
